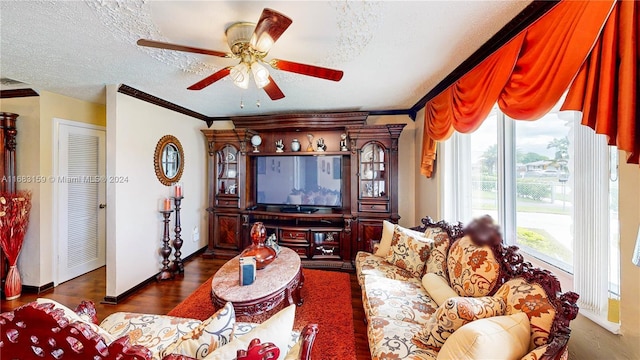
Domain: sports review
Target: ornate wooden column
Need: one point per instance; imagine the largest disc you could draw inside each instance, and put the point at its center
(8, 173)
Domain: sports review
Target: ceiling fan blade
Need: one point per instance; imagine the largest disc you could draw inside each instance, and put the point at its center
(268, 29)
(273, 90)
(210, 79)
(168, 46)
(309, 70)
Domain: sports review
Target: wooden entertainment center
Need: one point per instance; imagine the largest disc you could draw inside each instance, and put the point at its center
(339, 222)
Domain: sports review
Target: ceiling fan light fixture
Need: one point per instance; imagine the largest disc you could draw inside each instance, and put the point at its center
(260, 75)
(240, 75)
(238, 35)
(263, 43)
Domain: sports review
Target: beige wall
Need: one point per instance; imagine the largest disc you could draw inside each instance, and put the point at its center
(28, 163)
(426, 189)
(134, 226)
(34, 158)
(406, 165)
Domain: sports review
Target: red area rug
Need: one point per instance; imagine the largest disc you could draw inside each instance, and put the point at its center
(327, 302)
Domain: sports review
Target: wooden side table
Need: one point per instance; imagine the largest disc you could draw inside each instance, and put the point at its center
(280, 281)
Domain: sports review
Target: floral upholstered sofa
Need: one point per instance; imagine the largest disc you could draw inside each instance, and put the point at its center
(446, 292)
(45, 329)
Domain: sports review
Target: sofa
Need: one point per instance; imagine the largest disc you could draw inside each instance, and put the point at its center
(442, 291)
(45, 329)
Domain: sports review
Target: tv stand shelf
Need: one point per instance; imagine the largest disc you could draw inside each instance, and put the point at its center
(299, 153)
(344, 194)
(321, 241)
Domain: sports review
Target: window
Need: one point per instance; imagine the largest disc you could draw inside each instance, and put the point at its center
(551, 184)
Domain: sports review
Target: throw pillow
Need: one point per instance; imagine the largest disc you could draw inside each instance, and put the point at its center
(437, 262)
(385, 240)
(473, 270)
(211, 334)
(453, 314)
(521, 296)
(501, 337)
(277, 330)
(73, 317)
(409, 250)
(437, 288)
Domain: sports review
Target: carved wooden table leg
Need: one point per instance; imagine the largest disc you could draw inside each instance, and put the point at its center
(297, 292)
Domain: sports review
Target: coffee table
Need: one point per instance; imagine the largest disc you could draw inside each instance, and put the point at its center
(280, 281)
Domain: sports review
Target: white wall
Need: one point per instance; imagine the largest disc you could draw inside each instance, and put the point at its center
(134, 226)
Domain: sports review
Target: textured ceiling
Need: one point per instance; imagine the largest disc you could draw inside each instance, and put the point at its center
(391, 52)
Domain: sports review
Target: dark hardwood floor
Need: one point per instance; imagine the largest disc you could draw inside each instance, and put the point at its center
(160, 297)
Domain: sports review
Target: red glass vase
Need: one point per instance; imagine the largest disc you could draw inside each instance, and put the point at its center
(264, 254)
(13, 284)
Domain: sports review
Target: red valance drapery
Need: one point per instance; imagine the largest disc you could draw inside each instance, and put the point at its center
(529, 74)
(607, 86)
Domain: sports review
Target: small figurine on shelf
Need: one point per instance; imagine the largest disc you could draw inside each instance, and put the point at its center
(321, 145)
(310, 146)
(232, 189)
(343, 142)
(279, 146)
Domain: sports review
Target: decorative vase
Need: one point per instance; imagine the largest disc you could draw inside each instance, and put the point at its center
(295, 145)
(13, 284)
(264, 254)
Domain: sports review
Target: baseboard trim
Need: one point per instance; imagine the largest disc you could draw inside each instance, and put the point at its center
(29, 289)
(114, 300)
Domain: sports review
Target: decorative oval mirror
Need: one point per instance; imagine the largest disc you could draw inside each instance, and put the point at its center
(168, 160)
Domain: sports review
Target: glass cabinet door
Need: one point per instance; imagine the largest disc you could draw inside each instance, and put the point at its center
(372, 179)
(227, 170)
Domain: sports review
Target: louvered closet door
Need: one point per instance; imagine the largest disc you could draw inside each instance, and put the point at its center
(81, 191)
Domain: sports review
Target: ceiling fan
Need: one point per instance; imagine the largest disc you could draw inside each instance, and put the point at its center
(250, 43)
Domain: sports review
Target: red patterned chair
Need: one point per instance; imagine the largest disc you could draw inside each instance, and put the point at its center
(439, 291)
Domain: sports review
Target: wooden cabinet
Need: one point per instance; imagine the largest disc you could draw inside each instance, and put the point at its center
(374, 180)
(332, 231)
(226, 177)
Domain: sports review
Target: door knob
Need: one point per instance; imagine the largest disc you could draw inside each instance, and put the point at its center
(102, 206)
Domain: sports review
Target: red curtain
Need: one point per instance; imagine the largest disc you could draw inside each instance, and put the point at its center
(606, 89)
(526, 77)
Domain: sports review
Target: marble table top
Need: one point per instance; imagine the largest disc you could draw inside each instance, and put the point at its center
(275, 276)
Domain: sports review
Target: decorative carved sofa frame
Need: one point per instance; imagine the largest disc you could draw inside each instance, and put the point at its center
(483, 232)
(41, 331)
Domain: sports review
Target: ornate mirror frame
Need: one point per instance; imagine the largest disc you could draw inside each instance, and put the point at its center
(165, 144)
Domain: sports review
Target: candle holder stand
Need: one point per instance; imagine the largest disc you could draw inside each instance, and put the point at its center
(165, 273)
(178, 266)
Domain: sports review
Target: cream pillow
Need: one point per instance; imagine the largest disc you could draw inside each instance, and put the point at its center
(409, 250)
(455, 313)
(437, 287)
(73, 317)
(385, 241)
(210, 335)
(497, 338)
(276, 330)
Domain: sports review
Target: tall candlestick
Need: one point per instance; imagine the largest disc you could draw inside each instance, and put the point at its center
(177, 187)
(177, 266)
(165, 273)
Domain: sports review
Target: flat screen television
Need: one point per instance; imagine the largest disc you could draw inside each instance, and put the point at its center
(304, 180)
